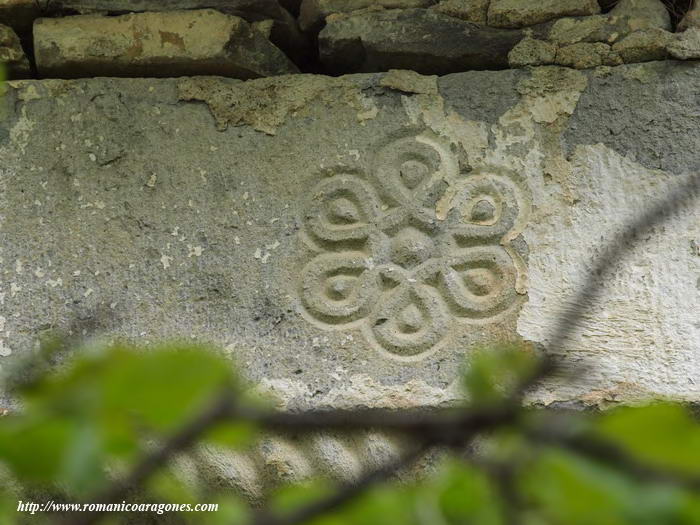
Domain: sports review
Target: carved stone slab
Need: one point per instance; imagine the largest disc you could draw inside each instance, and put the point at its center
(350, 241)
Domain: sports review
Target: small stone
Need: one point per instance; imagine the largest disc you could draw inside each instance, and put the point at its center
(532, 52)
(436, 44)
(644, 14)
(12, 54)
(598, 28)
(519, 13)
(686, 45)
(19, 14)
(312, 13)
(470, 10)
(691, 18)
(410, 82)
(264, 27)
(644, 46)
(584, 55)
(176, 43)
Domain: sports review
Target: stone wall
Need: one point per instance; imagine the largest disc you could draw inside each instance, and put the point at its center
(350, 239)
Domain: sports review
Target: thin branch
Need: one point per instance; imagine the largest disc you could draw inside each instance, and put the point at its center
(610, 454)
(158, 458)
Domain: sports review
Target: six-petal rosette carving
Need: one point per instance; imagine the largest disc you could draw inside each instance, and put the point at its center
(407, 250)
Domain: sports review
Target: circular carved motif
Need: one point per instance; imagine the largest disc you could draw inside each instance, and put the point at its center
(387, 262)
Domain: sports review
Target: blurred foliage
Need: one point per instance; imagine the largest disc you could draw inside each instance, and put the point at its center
(88, 416)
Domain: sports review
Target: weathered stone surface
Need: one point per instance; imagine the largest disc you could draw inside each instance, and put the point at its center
(516, 13)
(532, 52)
(349, 240)
(155, 44)
(471, 10)
(419, 39)
(643, 46)
(12, 55)
(19, 14)
(647, 13)
(686, 46)
(314, 12)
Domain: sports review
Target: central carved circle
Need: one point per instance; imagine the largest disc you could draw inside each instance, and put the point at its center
(412, 173)
(411, 247)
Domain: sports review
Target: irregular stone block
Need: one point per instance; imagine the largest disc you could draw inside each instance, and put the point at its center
(12, 55)
(686, 45)
(646, 14)
(532, 52)
(251, 10)
(176, 43)
(516, 13)
(314, 12)
(285, 32)
(470, 10)
(419, 39)
(598, 28)
(350, 243)
(643, 46)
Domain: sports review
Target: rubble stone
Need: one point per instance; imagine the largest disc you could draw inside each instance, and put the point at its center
(12, 55)
(437, 44)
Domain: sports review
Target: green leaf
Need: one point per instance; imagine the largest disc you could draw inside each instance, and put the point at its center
(467, 495)
(664, 435)
(234, 435)
(164, 387)
(495, 371)
(569, 490)
(34, 447)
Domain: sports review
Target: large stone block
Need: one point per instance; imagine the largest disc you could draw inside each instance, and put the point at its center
(350, 240)
(285, 32)
(419, 39)
(168, 44)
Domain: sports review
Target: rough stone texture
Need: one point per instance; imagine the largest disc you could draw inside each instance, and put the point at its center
(691, 18)
(648, 13)
(18, 14)
(643, 46)
(516, 13)
(435, 44)
(686, 46)
(532, 52)
(12, 55)
(597, 28)
(349, 240)
(471, 10)
(285, 32)
(169, 44)
(314, 12)
(584, 55)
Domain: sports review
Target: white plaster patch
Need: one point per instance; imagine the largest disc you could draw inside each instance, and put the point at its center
(644, 334)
